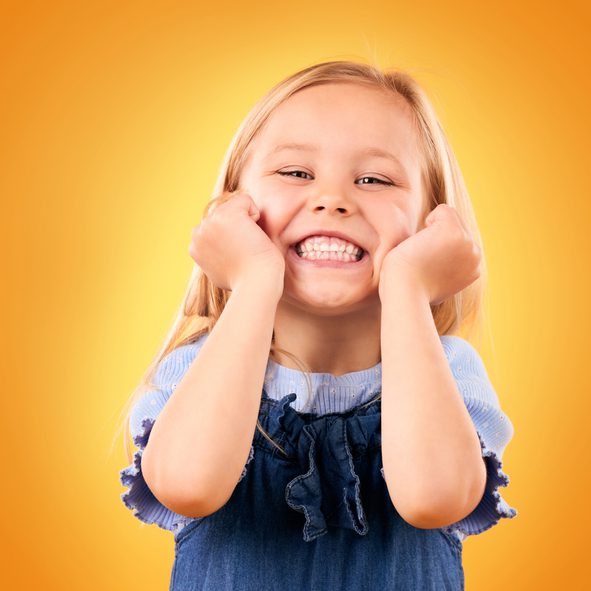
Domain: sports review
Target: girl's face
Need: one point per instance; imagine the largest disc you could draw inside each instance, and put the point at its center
(355, 170)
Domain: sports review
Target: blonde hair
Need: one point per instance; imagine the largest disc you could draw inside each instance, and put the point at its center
(442, 180)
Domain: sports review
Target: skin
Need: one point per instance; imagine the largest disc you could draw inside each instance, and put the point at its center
(330, 318)
(340, 321)
(335, 320)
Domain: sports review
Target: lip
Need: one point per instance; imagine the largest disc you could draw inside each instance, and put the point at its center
(334, 233)
(328, 263)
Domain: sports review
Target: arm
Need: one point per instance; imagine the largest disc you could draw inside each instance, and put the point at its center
(199, 445)
(432, 459)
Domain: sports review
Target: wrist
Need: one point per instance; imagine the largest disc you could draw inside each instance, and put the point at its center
(400, 281)
(261, 283)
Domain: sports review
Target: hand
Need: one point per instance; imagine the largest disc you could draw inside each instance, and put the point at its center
(228, 245)
(442, 258)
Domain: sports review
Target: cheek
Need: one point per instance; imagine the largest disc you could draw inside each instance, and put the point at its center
(405, 220)
(392, 222)
(409, 226)
(276, 213)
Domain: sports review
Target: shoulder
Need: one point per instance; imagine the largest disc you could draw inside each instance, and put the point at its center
(468, 369)
(169, 372)
(462, 356)
(459, 350)
(175, 363)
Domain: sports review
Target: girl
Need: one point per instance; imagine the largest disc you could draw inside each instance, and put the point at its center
(336, 261)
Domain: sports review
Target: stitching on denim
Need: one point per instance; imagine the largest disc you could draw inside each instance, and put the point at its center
(186, 531)
(358, 504)
(453, 539)
(250, 458)
(291, 484)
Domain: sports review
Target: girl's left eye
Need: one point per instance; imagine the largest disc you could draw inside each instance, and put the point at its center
(379, 181)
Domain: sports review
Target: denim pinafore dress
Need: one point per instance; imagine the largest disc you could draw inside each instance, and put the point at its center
(319, 516)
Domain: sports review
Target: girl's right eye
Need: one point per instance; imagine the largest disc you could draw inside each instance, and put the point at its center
(290, 172)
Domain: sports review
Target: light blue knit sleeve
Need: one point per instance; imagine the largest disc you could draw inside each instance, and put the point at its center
(139, 497)
(494, 430)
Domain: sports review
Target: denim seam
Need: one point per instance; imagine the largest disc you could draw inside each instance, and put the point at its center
(455, 542)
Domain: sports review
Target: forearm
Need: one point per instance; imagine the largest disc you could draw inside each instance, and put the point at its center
(431, 454)
(200, 442)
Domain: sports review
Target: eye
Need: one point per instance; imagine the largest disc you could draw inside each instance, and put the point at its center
(380, 181)
(290, 172)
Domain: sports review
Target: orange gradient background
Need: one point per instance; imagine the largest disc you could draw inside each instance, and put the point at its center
(115, 119)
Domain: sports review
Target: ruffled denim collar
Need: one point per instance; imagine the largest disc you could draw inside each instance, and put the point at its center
(328, 489)
(329, 393)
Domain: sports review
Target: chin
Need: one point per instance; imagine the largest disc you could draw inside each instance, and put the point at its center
(329, 305)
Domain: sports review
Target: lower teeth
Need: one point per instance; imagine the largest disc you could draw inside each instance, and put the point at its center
(329, 255)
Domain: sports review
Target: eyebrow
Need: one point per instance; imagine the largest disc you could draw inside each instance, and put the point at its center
(369, 151)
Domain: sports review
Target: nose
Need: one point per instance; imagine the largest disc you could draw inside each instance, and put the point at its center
(337, 202)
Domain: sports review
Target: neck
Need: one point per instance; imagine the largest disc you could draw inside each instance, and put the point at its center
(335, 344)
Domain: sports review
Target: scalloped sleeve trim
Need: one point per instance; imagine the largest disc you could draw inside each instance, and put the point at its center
(494, 430)
(138, 497)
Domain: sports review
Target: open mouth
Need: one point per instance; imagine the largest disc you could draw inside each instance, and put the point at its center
(319, 257)
(344, 255)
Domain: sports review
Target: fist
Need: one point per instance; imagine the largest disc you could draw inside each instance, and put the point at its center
(441, 258)
(230, 246)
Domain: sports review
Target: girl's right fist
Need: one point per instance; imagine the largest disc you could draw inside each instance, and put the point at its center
(229, 246)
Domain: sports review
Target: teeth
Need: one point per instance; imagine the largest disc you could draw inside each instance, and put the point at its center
(317, 255)
(325, 245)
(335, 251)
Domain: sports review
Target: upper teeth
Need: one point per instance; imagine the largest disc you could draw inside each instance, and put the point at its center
(328, 243)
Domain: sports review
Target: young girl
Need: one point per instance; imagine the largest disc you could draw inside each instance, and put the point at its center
(336, 261)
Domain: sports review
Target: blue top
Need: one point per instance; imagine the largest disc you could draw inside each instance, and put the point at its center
(327, 497)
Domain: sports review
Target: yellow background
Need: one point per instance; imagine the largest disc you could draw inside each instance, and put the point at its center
(115, 118)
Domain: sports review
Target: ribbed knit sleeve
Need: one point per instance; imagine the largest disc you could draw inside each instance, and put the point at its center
(494, 430)
(144, 413)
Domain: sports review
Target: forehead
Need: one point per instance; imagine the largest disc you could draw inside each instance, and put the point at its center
(344, 115)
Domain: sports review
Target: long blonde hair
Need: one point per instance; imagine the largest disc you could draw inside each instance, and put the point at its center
(203, 302)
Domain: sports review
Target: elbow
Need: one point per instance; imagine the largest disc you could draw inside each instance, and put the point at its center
(190, 501)
(437, 508)
(180, 496)
(190, 504)
(430, 517)
(433, 514)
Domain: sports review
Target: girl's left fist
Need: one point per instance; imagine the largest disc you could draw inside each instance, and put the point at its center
(442, 258)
